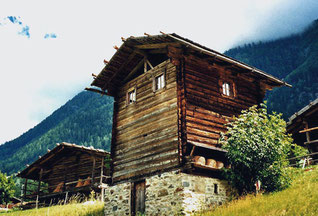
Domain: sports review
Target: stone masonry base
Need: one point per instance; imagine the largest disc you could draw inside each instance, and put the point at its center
(170, 193)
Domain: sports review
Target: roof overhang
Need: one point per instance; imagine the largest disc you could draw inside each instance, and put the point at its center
(132, 52)
(302, 114)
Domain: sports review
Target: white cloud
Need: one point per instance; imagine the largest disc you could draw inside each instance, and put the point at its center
(38, 75)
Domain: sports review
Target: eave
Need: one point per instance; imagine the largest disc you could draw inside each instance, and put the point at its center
(135, 49)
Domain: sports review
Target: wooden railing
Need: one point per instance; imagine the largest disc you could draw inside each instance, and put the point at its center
(67, 186)
(303, 161)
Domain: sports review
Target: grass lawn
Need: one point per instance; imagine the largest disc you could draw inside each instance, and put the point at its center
(299, 199)
(77, 209)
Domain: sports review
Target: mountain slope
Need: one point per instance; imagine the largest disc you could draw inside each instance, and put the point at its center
(84, 120)
(293, 59)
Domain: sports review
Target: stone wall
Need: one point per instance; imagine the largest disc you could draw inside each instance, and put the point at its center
(117, 200)
(164, 194)
(170, 193)
(202, 192)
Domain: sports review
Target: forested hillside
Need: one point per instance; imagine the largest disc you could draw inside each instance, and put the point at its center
(294, 59)
(84, 120)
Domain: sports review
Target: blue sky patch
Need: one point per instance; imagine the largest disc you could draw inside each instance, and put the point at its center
(13, 19)
(50, 35)
(25, 30)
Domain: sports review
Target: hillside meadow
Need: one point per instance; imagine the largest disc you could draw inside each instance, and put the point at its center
(299, 199)
(75, 209)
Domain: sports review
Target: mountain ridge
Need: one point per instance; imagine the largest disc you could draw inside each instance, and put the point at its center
(293, 59)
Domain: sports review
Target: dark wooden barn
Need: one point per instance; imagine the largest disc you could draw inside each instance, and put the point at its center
(66, 170)
(173, 98)
(303, 125)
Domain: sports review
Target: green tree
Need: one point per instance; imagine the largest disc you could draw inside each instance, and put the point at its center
(7, 188)
(257, 146)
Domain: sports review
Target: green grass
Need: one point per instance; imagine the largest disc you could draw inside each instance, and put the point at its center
(77, 209)
(299, 199)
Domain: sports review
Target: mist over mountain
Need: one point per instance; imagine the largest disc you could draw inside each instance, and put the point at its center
(87, 118)
(293, 59)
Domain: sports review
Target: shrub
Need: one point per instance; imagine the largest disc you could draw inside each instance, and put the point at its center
(257, 146)
(7, 187)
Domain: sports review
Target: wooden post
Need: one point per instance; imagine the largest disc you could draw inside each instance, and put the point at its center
(145, 64)
(101, 179)
(93, 170)
(66, 197)
(37, 202)
(39, 187)
(24, 190)
(307, 132)
(77, 162)
(65, 175)
(307, 136)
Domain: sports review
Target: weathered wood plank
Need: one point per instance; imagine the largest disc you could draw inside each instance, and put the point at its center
(146, 131)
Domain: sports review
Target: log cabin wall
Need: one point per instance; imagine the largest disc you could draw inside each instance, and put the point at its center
(207, 109)
(146, 131)
(72, 168)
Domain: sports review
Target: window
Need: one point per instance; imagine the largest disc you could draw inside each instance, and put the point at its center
(226, 88)
(131, 98)
(216, 189)
(159, 82)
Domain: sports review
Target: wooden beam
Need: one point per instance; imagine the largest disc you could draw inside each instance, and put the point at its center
(309, 129)
(148, 62)
(145, 64)
(119, 70)
(192, 151)
(97, 91)
(155, 46)
(158, 51)
(134, 70)
(311, 142)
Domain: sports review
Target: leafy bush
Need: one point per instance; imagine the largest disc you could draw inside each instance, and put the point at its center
(7, 187)
(257, 147)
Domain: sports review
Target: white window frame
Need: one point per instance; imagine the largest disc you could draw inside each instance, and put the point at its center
(226, 89)
(131, 96)
(160, 82)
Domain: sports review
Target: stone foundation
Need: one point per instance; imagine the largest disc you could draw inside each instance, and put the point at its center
(117, 200)
(171, 193)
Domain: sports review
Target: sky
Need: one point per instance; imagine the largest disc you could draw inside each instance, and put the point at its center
(49, 49)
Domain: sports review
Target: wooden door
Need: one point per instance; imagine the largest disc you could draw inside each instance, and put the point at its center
(138, 197)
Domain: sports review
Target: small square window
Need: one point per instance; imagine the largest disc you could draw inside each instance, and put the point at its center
(131, 97)
(159, 82)
(226, 89)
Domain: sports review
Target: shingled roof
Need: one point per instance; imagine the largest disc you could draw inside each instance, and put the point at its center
(130, 54)
(304, 112)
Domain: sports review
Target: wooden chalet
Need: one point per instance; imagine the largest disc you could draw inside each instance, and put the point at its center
(172, 99)
(303, 125)
(66, 170)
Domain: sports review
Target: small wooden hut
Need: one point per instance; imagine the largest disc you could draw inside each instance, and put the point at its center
(173, 98)
(303, 125)
(66, 170)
